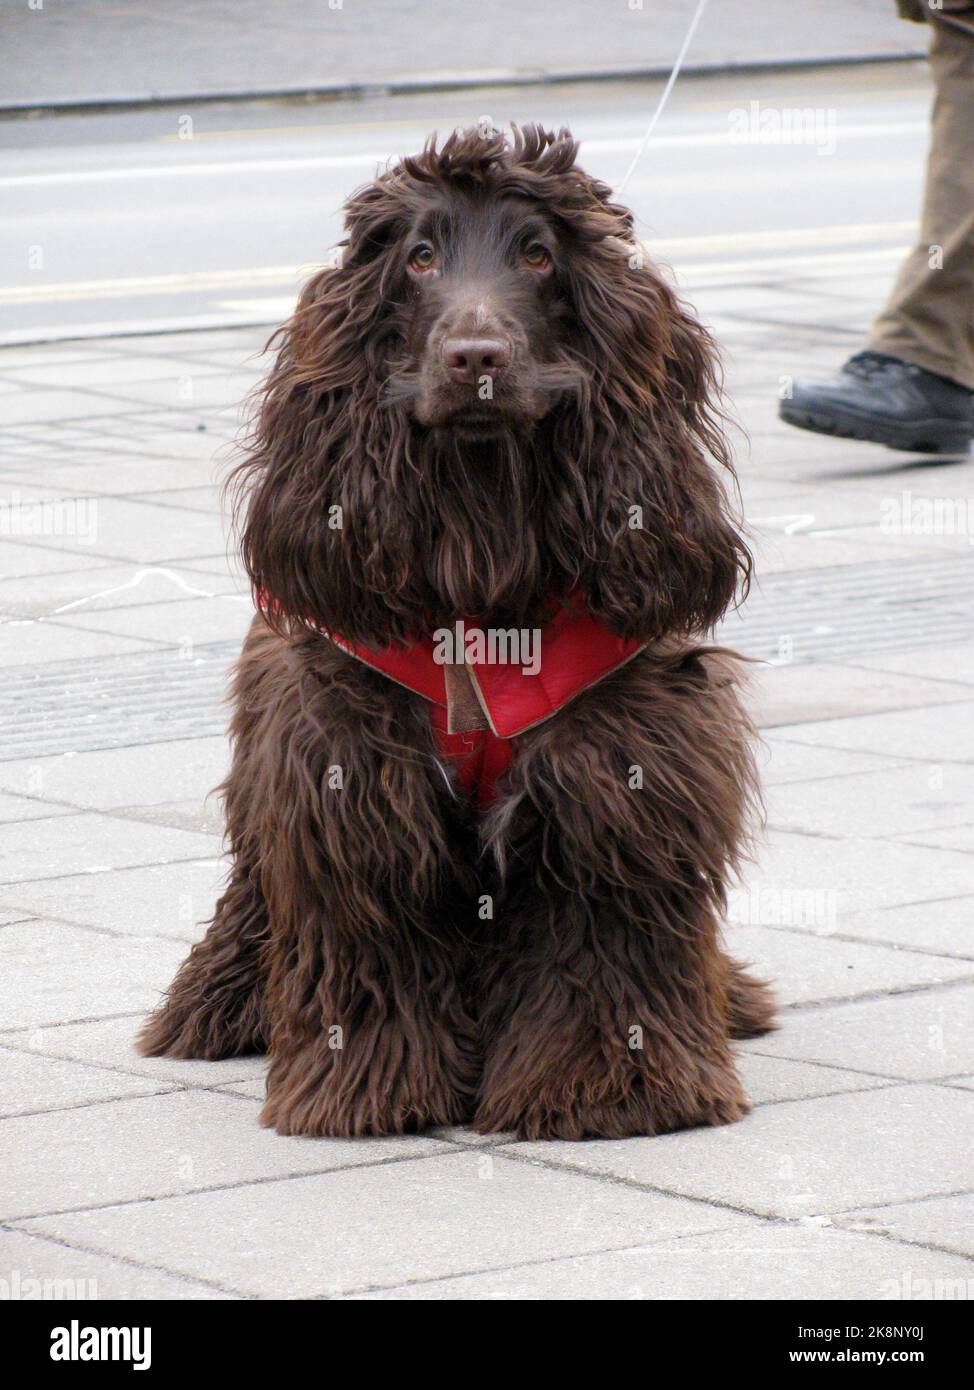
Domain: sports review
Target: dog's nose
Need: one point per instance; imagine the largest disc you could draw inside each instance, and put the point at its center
(469, 359)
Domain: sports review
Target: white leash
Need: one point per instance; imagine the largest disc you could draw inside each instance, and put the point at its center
(674, 74)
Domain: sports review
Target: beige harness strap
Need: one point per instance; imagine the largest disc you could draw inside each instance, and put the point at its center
(463, 708)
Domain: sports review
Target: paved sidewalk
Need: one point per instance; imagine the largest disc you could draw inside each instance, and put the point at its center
(108, 51)
(120, 616)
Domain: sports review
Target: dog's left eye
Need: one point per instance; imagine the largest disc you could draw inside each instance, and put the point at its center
(535, 256)
(422, 257)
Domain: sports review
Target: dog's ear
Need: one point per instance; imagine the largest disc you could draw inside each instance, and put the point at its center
(662, 552)
(322, 450)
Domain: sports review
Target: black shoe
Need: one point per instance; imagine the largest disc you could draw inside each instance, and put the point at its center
(887, 401)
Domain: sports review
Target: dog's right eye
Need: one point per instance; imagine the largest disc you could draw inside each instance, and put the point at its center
(422, 258)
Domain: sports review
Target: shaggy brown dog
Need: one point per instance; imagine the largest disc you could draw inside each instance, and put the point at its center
(492, 405)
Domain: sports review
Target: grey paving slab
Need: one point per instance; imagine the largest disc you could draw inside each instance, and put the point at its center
(221, 619)
(109, 1043)
(228, 346)
(847, 506)
(914, 543)
(802, 507)
(155, 900)
(29, 642)
(782, 762)
(803, 1157)
(20, 558)
(789, 461)
(32, 508)
(30, 1082)
(188, 434)
(204, 498)
(780, 553)
(132, 531)
(113, 777)
(104, 469)
(53, 973)
(34, 406)
(91, 843)
(907, 734)
(52, 354)
(451, 1214)
(36, 1267)
(192, 390)
(806, 967)
(151, 1147)
(946, 1222)
(205, 817)
(849, 875)
(822, 690)
(256, 1089)
(903, 801)
(21, 808)
(752, 1260)
(222, 565)
(952, 661)
(794, 617)
(105, 370)
(758, 487)
(920, 1036)
(768, 1080)
(959, 837)
(457, 1134)
(942, 925)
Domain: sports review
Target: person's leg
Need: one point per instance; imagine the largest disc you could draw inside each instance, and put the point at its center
(911, 388)
(929, 317)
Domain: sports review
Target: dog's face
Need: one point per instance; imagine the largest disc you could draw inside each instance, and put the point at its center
(483, 309)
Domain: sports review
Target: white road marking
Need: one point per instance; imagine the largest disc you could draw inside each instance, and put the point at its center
(826, 263)
(154, 284)
(209, 168)
(130, 328)
(274, 306)
(839, 234)
(621, 145)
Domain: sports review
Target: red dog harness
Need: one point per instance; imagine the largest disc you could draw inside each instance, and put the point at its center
(572, 653)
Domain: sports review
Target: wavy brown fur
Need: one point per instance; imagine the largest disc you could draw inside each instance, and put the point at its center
(351, 942)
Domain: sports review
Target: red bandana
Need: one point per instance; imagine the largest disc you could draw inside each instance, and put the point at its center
(571, 653)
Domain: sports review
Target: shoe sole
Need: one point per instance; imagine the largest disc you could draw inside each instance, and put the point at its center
(922, 437)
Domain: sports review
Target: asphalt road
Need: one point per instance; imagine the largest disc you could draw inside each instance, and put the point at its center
(166, 219)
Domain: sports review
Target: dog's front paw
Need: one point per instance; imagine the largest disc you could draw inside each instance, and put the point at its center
(357, 1090)
(601, 1097)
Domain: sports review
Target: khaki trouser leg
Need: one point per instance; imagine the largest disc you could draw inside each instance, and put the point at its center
(929, 317)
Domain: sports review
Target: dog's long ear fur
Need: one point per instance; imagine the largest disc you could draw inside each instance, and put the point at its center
(661, 552)
(315, 495)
